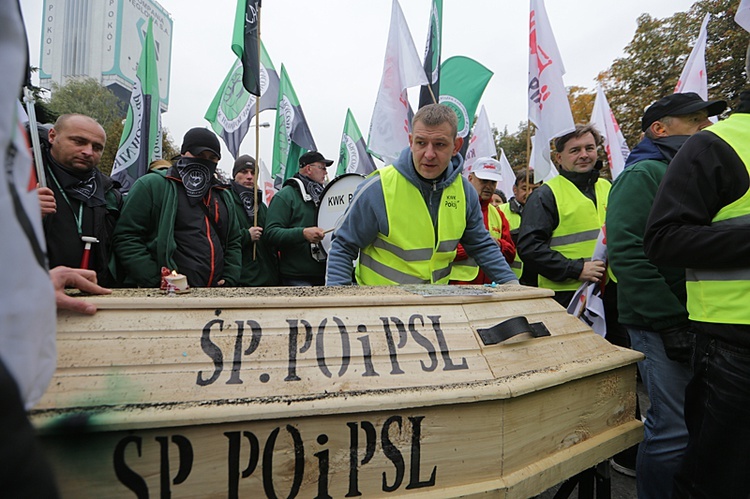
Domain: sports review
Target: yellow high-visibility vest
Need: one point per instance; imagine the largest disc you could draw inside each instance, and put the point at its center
(468, 270)
(720, 295)
(514, 219)
(410, 253)
(580, 221)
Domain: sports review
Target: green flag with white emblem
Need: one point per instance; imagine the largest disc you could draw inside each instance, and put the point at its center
(293, 137)
(353, 155)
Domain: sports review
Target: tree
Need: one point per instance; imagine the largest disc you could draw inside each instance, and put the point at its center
(86, 96)
(581, 103)
(656, 55)
(514, 145)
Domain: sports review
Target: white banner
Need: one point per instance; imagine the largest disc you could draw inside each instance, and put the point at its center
(614, 141)
(693, 77)
(481, 142)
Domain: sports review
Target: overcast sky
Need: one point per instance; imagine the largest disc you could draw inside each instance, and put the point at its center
(333, 51)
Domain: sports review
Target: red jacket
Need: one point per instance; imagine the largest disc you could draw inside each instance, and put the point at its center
(505, 242)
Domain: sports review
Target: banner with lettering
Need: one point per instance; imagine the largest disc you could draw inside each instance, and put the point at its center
(233, 107)
(390, 124)
(353, 155)
(549, 109)
(140, 142)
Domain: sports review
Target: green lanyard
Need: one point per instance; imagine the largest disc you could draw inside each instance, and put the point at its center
(78, 218)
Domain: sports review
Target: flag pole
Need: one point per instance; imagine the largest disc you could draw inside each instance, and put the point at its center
(257, 145)
(28, 98)
(432, 94)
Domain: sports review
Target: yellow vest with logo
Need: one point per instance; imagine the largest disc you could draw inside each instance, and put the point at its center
(580, 221)
(468, 270)
(720, 295)
(514, 219)
(410, 253)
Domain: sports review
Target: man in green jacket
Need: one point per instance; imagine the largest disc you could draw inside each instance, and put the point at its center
(651, 299)
(291, 224)
(182, 219)
(260, 266)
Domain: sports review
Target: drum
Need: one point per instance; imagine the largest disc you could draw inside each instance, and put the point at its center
(334, 201)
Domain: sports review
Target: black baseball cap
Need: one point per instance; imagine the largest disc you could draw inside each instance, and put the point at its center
(244, 162)
(313, 157)
(197, 140)
(680, 105)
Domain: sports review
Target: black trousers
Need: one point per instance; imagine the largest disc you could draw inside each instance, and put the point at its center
(24, 471)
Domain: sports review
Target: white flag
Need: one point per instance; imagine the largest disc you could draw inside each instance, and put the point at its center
(482, 142)
(540, 161)
(402, 69)
(693, 77)
(614, 142)
(742, 17)
(549, 109)
(509, 176)
(587, 303)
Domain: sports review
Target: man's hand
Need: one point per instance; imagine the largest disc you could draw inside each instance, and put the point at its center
(592, 271)
(84, 280)
(313, 234)
(46, 200)
(255, 233)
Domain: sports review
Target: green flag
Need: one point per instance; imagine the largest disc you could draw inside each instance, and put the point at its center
(141, 137)
(293, 137)
(462, 82)
(245, 42)
(233, 107)
(353, 155)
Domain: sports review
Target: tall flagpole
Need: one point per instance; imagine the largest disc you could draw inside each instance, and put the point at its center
(257, 142)
(528, 150)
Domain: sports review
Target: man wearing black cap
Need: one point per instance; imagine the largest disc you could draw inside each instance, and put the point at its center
(182, 219)
(700, 221)
(291, 222)
(651, 298)
(259, 267)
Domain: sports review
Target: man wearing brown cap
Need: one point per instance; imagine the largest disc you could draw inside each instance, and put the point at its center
(182, 219)
(651, 298)
(291, 223)
(259, 263)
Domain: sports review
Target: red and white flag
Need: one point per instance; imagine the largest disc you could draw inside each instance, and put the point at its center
(693, 77)
(614, 142)
(265, 183)
(482, 142)
(402, 69)
(549, 109)
(742, 17)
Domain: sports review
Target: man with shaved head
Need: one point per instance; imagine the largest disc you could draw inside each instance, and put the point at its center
(80, 205)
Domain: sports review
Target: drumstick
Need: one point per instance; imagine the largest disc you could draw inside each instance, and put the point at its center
(329, 230)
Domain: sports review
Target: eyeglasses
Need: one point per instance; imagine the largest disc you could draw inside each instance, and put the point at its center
(319, 166)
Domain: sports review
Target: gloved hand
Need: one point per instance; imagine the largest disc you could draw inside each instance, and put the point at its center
(678, 344)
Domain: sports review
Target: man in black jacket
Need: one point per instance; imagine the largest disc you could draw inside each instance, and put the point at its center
(79, 204)
(699, 221)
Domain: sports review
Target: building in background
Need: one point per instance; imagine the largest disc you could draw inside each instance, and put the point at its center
(102, 39)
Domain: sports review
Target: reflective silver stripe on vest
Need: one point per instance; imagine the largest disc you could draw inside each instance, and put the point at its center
(735, 274)
(413, 255)
(516, 265)
(447, 246)
(741, 220)
(578, 237)
(389, 273)
(441, 273)
(469, 262)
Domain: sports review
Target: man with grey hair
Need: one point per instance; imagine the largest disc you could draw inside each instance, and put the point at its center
(406, 220)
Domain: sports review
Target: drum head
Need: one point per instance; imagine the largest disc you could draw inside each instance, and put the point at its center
(334, 201)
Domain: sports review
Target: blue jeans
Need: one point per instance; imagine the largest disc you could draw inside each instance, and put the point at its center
(665, 432)
(717, 411)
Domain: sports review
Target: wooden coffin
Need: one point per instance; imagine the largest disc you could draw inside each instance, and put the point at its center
(330, 392)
